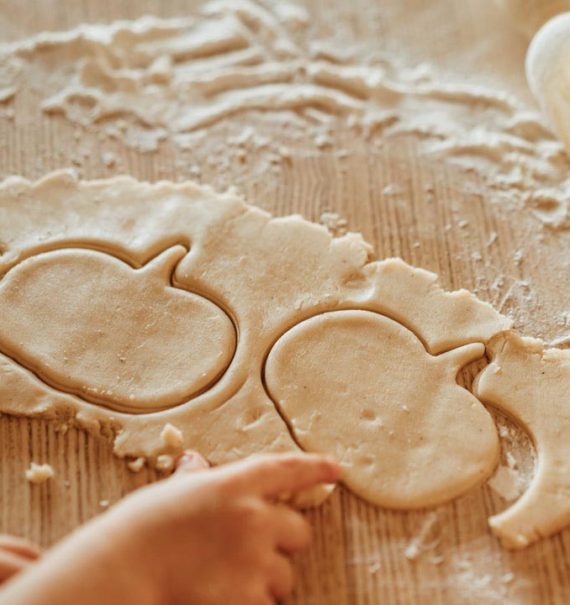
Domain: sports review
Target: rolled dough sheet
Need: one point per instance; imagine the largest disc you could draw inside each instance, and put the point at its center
(97, 276)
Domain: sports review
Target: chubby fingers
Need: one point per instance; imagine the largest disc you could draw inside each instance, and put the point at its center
(292, 530)
(16, 554)
(11, 564)
(280, 576)
(272, 475)
(19, 546)
(292, 533)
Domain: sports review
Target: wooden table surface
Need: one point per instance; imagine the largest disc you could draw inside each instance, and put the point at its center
(359, 551)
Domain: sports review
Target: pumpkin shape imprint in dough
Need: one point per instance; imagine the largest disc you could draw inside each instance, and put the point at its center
(89, 324)
(361, 387)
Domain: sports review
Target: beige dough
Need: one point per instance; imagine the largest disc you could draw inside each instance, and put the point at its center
(172, 437)
(405, 432)
(267, 274)
(532, 383)
(87, 323)
(39, 473)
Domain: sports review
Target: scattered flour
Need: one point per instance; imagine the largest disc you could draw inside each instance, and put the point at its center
(147, 81)
(480, 587)
(421, 543)
(507, 483)
(560, 341)
(518, 459)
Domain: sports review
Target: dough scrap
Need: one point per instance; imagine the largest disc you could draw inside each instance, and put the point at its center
(164, 462)
(268, 275)
(531, 383)
(136, 465)
(406, 434)
(172, 437)
(39, 473)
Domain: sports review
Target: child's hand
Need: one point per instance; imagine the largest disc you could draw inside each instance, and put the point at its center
(16, 554)
(201, 537)
(219, 536)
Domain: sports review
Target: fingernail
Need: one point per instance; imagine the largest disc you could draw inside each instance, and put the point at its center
(191, 460)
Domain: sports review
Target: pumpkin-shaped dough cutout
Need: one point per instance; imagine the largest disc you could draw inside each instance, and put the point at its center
(361, 387)
(89, 324)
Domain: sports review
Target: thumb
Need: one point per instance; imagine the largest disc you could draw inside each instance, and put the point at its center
(190, 461)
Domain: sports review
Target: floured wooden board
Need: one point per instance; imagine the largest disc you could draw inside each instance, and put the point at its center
(490, 218)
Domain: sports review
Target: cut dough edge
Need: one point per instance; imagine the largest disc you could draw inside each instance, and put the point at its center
(288, 383)
(159, 268)
(530, 383)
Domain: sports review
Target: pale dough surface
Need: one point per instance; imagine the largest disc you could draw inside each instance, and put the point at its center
(243, 267)
(394, 416)
(531, 383)
(87, 323)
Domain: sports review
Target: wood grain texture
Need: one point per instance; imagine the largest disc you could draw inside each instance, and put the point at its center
(434, 221)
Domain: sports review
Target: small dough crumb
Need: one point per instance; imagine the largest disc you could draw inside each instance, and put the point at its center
(335, 224)
(39, 473)
(136, 465)
(172, 437)
(164, 462)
